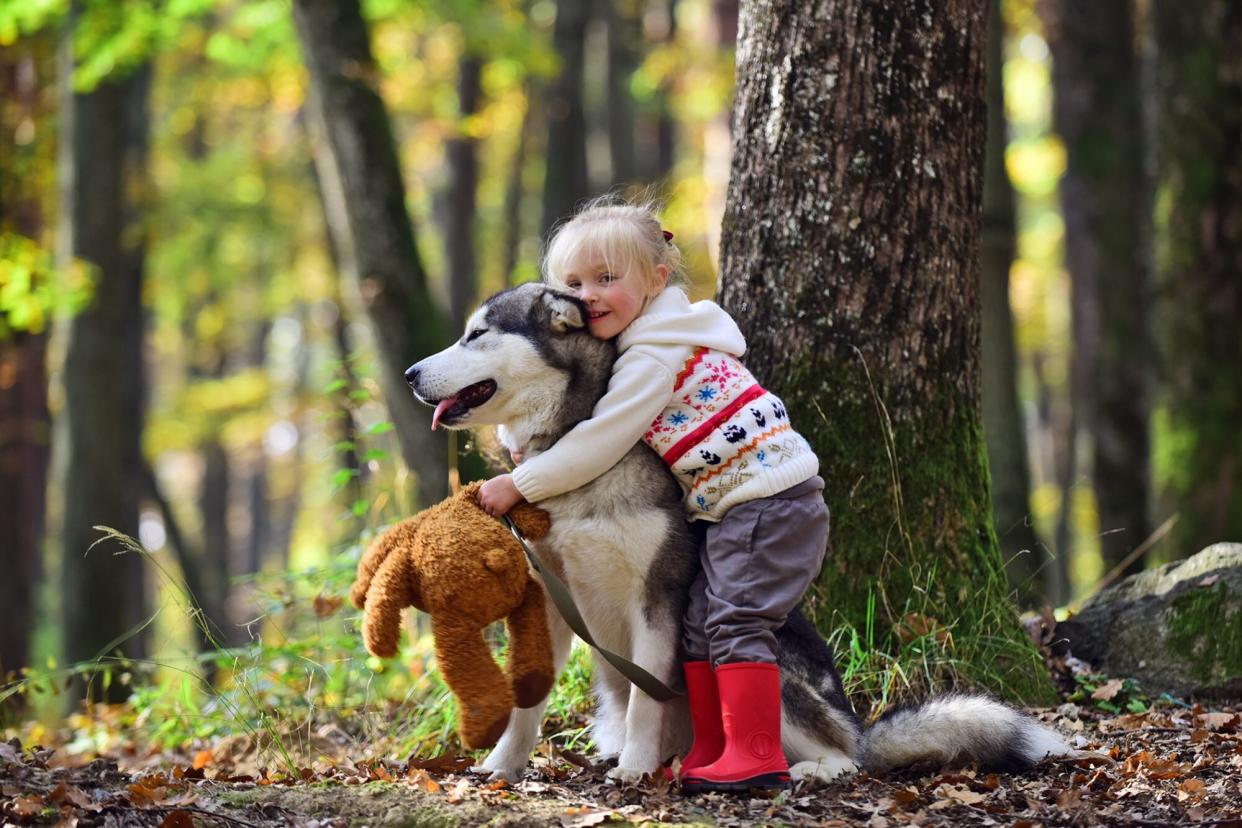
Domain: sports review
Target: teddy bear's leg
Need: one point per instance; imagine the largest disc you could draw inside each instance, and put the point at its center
(509, 758)
(530, 649)
(483, 694)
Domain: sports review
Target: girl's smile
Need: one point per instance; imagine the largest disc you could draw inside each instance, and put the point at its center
(614, 298)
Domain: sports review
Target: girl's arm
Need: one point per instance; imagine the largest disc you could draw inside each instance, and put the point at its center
(638, 391)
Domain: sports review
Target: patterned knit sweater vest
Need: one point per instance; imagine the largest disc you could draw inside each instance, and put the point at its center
(726, 439)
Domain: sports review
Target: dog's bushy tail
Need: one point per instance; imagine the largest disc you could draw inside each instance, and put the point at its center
(957, 729)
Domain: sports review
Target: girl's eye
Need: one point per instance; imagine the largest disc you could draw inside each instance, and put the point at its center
(573, 285)
(607, 278)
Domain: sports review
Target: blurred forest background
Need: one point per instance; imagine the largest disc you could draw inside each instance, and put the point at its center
(188, 356)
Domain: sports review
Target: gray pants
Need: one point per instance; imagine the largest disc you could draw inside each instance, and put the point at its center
(757, 563)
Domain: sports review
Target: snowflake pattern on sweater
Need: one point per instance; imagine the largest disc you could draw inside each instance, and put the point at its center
(726, 438)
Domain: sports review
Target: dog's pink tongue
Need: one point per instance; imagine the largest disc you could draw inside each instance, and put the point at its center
(441, 407)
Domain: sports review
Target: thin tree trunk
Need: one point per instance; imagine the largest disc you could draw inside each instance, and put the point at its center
(105, 150)
(1103, 195)
(666, 124)
(258, 536)
(376, 240)
(463, 163)
(624, 34)
(1198, 74)
(1003, 425)
(25, 423)
(565, 181)
(515, 189)
(850, 258)
(718, 132)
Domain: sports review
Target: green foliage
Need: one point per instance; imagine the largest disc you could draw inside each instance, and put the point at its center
(32, 290)
(1111, 695)
(304, 671)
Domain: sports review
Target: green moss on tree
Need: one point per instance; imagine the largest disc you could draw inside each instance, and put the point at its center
(1202, 630)
(911, 529)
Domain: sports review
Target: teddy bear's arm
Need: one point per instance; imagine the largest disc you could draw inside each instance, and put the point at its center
(394, 587)
(377, 553)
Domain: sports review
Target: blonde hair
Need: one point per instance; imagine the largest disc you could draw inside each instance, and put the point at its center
(625, 235)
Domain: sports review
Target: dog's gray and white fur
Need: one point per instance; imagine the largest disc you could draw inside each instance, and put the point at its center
(624, 548)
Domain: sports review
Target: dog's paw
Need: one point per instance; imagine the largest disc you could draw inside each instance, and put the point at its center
(497, 774)
(629, 776)
(824, 769)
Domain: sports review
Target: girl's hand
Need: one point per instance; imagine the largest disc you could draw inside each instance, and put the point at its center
(498, 495)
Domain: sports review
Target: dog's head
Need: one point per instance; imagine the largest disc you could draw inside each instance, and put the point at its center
(525, 358)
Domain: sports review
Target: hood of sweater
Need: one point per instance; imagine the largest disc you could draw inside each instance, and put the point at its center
(670, 319)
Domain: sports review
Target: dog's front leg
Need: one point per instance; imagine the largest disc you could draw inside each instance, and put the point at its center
(509, 758)
(645, 718)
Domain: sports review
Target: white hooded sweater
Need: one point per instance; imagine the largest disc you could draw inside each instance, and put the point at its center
(679, 386)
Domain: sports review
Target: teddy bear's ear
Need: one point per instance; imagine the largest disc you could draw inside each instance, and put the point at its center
(567, 312)
(533, 521)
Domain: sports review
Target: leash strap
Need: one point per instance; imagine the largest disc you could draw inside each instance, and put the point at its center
(559, 593)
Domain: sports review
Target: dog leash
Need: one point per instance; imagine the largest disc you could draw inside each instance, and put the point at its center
(559, 593)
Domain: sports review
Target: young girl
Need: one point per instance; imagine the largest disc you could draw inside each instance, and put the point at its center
(678, 386)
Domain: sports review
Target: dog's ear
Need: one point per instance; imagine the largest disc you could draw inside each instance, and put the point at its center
(567, 313)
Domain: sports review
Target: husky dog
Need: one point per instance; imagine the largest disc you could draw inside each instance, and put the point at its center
(622, 545)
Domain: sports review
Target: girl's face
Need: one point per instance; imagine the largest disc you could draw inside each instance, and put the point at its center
(614, 299)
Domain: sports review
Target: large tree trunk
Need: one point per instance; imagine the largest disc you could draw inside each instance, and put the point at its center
(850, 257)
(1003, 424)
(103, 176)
(463, 164)
(565, 181)
(1199, 94)
(25, 423)
(373, 233)
(1098, 115)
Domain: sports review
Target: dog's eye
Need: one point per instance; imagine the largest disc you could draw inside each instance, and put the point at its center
(475, 334)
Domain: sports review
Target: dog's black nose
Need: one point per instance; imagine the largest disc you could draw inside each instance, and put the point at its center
(411, 374)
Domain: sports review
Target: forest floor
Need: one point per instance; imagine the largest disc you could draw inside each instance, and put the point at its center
(1171, 765)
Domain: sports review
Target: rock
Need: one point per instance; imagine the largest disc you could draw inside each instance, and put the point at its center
(1176, 629)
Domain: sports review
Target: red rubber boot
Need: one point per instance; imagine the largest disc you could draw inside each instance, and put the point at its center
(750, 713)
(704, 701)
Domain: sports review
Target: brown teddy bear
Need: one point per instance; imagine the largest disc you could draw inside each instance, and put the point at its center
(463, 567)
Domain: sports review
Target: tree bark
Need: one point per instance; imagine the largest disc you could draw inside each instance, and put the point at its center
(374, 235)
(515, 189)
(25, 424)
(463, 164)
(1198, 74)
(1096, 79)
(103, 180)
(565, 182)
(624, 34)
(850, 258)
(1003, 424)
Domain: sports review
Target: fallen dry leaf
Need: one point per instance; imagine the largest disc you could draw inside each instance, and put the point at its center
(420, 779)
(178, 819)
(583, 817)
(1108, 690)
(326, 605)
(1191, 789)
(202, 759)
(1218, 721)
(444, 763)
